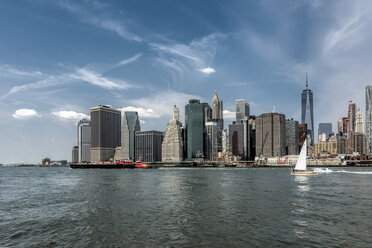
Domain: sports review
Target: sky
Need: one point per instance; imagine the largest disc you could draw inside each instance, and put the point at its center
(60, 58)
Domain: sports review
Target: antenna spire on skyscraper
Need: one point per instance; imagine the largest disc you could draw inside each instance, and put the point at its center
(307, 82)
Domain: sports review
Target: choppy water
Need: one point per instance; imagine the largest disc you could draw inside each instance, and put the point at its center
(224, 207)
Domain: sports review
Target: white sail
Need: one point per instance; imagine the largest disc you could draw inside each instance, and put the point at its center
(301, 161)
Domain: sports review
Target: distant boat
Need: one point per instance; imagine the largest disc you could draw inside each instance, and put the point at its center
(300, 169)
(322, 170)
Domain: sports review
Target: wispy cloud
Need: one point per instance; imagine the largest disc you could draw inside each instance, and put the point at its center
(100, 20)
(24, 114)
(98, 80)
(70, 115)
(14, 71)
(130, 60)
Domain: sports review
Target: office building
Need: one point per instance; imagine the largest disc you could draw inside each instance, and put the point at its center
(217, 116)
(211, 149)
(195, 125)
(84, 133)
(359, 142)
(131, 124)
(252, 137)
(326, 129)
(331, 146)
(173, 142)
(351, 127)
(75, 154)
(270, 135)
(302, 134)
(359, 122)
(292, 138)
(242, 110)
(307, 114)
(207, 112)
(368, 120)
(148, 145)
(239, 139)
(105, 132)
(342, 145)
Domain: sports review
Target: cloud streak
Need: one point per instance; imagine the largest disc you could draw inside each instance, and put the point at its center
(70, 115)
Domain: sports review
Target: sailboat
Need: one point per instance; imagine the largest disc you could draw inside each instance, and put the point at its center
(300, 169)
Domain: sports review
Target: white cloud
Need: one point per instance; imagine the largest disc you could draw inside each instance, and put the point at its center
(130, 60)
(98, 80)
(229, 115)
(207, 70)
(23, 114)
(143, 113)
(70, 115)
(142, 122)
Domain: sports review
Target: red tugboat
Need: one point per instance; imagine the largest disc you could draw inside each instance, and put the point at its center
(141, 164)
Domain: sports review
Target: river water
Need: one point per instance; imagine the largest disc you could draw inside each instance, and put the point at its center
(175, 207)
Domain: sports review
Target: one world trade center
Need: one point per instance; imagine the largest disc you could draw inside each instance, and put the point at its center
(307, 114)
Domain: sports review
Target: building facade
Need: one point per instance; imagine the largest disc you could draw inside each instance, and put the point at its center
(131, 124)
(75, 154)
(368, 120)
(195, 125)
(173, 142)
(351, 124)
(359, 142)
(148, 145)
(292, 139)
(239, 139)
(270, 135)
(105, 132)
(211, 149)
(307, 114)
(84, 133)
(242, 110)
(331, 146)
(217, 116)
(359, 128)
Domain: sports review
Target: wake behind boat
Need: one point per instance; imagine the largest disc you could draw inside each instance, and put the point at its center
(300, 169)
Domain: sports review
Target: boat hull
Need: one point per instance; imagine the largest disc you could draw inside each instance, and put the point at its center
(101, 166)
(304, 173)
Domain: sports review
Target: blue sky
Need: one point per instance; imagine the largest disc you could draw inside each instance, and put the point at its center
(59, 58)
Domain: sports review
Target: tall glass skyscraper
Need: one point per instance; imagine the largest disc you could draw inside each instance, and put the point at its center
(131, 124)
(368, 120)
(307, 114)
(195, 125)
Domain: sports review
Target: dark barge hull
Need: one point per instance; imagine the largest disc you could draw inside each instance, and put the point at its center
(101, 166)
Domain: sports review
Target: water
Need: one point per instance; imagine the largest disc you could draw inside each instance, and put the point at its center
(217, 207)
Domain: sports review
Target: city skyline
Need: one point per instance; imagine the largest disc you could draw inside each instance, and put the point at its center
(80, 55)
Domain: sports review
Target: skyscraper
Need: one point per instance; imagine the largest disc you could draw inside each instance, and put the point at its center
(131, 124)
(207, 112)
(173, 145)
(148, 145)
(239, 139)
(368, 121)
(210, 140)
(324, 128)
(75, 154)
(270, 135)
(359, 122)
(351, 127)
(307, 114)
(105, 132)
(194, 120)
(292, 138)
(217, 116)
(217, 107)
(242, 110)
(84, 140)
